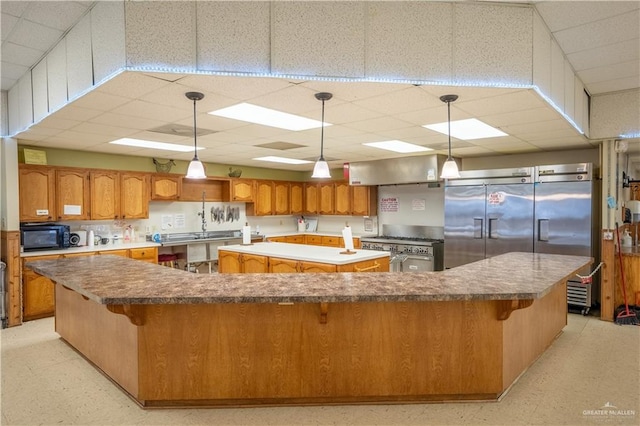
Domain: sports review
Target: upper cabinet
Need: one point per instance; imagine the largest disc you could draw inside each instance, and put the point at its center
(105, 195)
(134, 195)
(264, 198)
(311, 198)
(343, 198)
(364, 200)
(36, 193)
(72, 194)
(281, 197)
(326, 198)
(165, 187)
(243, 190)
(296, 197)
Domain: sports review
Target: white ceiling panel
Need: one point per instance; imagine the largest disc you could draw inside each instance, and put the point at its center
(601, 39)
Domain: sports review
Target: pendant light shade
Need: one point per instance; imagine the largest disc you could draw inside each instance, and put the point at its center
(196, 168)
(450, 167)
(321, 169)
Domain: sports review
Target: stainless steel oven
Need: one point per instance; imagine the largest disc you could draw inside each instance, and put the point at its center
(412, 248)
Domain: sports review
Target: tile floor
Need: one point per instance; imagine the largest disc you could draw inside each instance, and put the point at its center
(591, 365)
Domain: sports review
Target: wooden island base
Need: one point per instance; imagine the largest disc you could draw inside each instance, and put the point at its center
(237, 354)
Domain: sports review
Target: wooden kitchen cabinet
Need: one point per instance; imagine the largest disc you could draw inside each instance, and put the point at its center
(243, 190)
(119, 195)
(326, 198)
(36, 193)
(147, 254)
(296, 198)
(38, 297)
(166, 187)
(73, 194)
(281, 197)
(307, 267)
(283, 266)
(342, 198)
(330, 241)
(294, 239)
(311, 195)
(231, 262)
(118, 252)
(264, 199)
(134, 195)
(315, 240)
(364, 200)
(105, 195)
(634, 190)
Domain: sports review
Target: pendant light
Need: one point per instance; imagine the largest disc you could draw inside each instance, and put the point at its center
(196, 168)
(321, 169)
(450, 167)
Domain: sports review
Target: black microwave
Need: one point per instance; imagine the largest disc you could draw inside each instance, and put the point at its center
(47, 236)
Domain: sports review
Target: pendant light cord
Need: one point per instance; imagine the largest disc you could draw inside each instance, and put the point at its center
(449, 126)
(322, 135)
(195, 132)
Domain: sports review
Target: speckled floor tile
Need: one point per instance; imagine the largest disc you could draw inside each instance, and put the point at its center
(592, 364)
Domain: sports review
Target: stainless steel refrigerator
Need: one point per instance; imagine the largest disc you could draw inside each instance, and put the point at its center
(566, 211)
(486, 213)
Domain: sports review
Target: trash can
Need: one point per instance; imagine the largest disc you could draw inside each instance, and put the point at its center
(3, 295)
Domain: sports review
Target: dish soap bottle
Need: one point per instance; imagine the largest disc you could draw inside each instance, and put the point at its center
(627, 241)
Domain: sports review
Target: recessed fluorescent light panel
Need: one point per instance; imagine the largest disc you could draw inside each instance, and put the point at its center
(467, 129)
(267, 117)
(154, 145)
(274, 159)
(398, 146)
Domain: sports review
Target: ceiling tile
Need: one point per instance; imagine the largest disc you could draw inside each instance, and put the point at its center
(7, 23)
(60, 15)
(13, 71)
(628, 50)
(14, 8)
(34, 35)
(20, 55)
(560, 15)
(131, 85)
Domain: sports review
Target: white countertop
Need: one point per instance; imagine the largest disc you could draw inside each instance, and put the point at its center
(308, 253)
(320, 233)
(90, 249)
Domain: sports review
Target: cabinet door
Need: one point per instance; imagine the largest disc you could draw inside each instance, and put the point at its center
(277, 239)
(343, 198)
(134, 196)
(38, 297)
(296, 198)
(331, 241)
(364, 200)
(317, 267)
(36, 194)
(252, 263)
(326, 198)
(122, 252)
(72, 194)
(242, 190)
(147, 254)
(229, 262)
(164, 187)
(281, 204)
(294, 239)
(311, 198)
(105, 195)
(635, 191)
(264, 198)
(282, 266)
(315, 240)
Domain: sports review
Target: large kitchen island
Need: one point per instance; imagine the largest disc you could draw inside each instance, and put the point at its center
(172, 338)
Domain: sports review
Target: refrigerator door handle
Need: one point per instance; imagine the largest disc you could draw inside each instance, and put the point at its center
(543, 229)
(477, 228)
(492, 227)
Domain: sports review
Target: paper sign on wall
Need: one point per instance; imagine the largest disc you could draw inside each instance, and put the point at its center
(418, 204)
(389, 204)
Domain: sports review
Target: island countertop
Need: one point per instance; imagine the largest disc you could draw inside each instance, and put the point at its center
(306, 253)
(121, 281)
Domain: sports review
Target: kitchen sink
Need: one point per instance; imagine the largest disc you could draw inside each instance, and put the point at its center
(198, 237)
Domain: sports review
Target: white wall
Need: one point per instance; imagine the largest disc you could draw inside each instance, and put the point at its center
(417, 205)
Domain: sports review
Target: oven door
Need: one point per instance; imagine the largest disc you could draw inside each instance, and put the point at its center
(417, 263)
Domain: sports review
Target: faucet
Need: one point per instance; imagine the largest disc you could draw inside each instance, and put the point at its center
(204, 220)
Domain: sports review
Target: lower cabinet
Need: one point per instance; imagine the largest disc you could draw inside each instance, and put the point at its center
(234, 263)
(38, 298)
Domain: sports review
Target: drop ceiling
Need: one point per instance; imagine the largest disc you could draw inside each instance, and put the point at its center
(601, 41)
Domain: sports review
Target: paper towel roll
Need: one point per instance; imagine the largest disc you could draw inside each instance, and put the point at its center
(246, 234)
(348, 238)
(634, 206)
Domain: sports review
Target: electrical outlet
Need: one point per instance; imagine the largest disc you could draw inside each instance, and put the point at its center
(608, 235)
